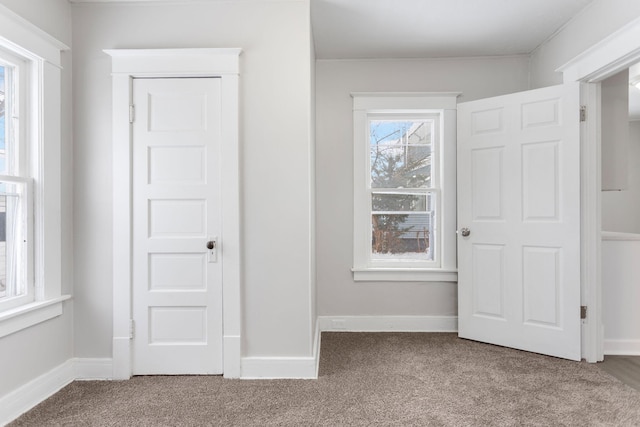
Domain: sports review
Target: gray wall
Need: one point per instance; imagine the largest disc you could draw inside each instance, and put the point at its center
(594, 23)
(276, 152)
(621, 209)
(338, 294)
(29, 353)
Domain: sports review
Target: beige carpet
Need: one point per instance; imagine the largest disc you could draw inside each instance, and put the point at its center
(394, 379)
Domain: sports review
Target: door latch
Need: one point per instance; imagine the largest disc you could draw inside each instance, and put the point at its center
(212, 246)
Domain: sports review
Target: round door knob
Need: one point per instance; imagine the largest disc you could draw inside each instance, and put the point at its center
(211, 244)
(465, 232)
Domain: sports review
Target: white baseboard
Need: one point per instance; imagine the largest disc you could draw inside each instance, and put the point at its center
(622, 347)
(316, 347)
(29, 395)
(388, 323)
(121, 358)
(279, 368)
(93, 369)
(231, 348)
(284, 367)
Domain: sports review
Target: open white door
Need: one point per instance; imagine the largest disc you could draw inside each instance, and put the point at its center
(177, 268)
(519, 220)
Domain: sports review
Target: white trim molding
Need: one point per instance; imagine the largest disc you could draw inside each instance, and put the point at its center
(284, 367)
(616, 52)
(606, 58)
(128, 64)
(35, 391)
(42, 55)
(622, 347)
(31, 314)
(388, 323)
(440, 109)
(266, 368)
(41, 388)
(93, 369)
(404, 275)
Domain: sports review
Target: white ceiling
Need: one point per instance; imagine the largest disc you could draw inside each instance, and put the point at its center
(360, 29)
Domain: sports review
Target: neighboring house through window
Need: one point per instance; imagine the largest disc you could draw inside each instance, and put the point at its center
(404, 187)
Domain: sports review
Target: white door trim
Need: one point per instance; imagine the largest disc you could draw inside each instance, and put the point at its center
(128, 64)
(606, 58)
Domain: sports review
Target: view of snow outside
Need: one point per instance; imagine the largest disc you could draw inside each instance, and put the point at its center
(402, 208)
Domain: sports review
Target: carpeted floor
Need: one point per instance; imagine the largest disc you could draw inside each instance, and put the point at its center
(365, 379)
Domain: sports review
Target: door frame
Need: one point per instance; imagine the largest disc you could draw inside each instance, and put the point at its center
(604, 59)
(128, 64)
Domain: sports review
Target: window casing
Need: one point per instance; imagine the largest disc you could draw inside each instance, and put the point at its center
(30, 178)
(404, 187)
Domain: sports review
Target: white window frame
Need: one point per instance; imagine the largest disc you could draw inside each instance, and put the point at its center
(18, 172)
(40, 135)
(368, 106)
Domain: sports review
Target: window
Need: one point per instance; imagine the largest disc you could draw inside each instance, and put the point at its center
(30, 206)
(16, 225)
(404, 187)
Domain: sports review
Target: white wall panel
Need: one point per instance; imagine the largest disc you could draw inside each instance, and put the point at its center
(540, 181)
(172, 218)
(164, 169)
(177, 271)
(487, 171)
(170, 112)
(177, 325)
(488, 280)
(489, 121)
(541, 286)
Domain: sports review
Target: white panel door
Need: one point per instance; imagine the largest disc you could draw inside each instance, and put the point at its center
(519, 199)
(177, 280)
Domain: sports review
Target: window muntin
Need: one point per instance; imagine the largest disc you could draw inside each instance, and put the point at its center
(403, 188)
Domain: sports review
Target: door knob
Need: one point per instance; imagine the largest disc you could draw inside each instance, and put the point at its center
(465, 232)
(211, 244)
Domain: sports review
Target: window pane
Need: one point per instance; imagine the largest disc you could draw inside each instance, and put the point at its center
(401, 132)
(400, 166)
(2, 121)
(402, 236)
(12, 256)
(399, 202)
(401, 153)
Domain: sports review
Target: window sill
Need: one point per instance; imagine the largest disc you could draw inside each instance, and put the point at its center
(27, 315)
(404, 275)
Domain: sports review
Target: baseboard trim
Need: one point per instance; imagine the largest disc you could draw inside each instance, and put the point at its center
(622, 347)
(93, 369)
(121, 358)
(316, 347)
(388, 323)
(35, 391)
(266, 368)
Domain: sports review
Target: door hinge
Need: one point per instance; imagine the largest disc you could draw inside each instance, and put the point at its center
(583, 312)
(132, 329)
(583, 113)
(132, 113)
